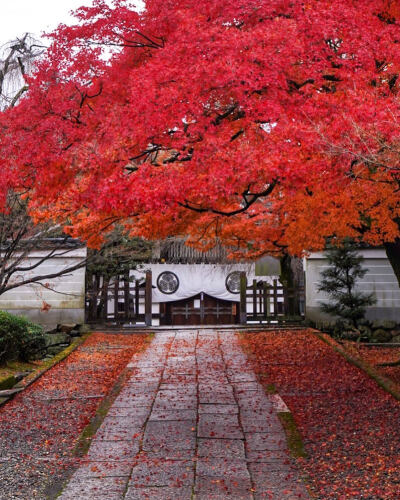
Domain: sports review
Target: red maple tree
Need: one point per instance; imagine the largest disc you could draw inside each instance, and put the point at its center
(268, 124)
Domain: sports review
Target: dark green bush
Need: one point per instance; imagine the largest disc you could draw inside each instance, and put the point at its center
(339, 281)
(19, 338)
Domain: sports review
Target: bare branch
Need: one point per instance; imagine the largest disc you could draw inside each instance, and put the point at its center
(248, 199)
(17, 59)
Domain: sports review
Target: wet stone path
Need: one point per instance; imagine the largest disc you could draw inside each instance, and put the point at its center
(192, 422)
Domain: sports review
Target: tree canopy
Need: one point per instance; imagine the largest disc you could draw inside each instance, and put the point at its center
(270, 125)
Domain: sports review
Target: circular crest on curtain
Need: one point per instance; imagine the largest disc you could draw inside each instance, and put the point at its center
(232, 282)
(168, 282)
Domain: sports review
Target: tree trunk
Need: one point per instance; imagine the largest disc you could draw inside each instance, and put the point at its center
(393, 254)
(287, 274)
(288, 282)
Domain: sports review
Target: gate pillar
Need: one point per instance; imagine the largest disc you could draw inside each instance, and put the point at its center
(148, 299)
(243, 298)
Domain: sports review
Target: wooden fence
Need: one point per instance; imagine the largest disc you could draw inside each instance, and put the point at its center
(118, 300)
(262, 302)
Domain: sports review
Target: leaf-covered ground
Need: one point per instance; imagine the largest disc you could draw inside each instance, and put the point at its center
(350, 426)
(376, 356)
(39, 428)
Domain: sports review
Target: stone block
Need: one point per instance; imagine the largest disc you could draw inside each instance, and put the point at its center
(381, 335)
(66, 328)
(384, 324)
(53, 339)
(54, 350)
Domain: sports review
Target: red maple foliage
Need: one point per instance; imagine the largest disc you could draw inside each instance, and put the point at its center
(348, 423)
(39, 428)
(262, 117)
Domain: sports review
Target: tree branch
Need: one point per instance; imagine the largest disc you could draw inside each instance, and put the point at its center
(248, 200)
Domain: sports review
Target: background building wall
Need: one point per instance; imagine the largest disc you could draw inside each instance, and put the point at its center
(62, 302)
(380, 279)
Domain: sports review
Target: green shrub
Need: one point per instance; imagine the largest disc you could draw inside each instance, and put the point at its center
(19, 338)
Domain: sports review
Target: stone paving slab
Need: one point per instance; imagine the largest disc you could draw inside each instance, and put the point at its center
(128, 411)
(260, 441)
(105, 468)
(180, 435)
(218, 408)
(216, 488)
(178, 415)
(112, 450)
(112, 488)
(221, 448)
(162, 473)
(192, 422)
(219, 426)
(159, 493)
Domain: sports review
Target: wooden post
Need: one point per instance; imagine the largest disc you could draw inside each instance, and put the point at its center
(296, 309)
(255, 300)
(126, 296)
(148, 299)
(291, 299)
(93, 292)
(275, 298)
(137, 300)
(116, 294)
(104, 299)
(286, 300)
(266, 301)
(243, 298)
(202, 311)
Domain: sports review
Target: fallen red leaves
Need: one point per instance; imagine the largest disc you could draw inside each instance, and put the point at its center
(350, 426)
(377, 355)
(39, 427)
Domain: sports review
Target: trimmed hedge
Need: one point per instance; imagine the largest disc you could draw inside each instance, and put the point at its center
(19, 338)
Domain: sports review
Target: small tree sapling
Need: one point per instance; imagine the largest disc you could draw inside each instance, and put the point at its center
(339, 282)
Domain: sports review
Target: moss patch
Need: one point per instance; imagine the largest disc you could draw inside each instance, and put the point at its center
(270, 389)
(293, 436)
(13, 367)
(7, 382)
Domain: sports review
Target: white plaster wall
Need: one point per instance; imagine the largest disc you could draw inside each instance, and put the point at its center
(380, 279)
(65, 296)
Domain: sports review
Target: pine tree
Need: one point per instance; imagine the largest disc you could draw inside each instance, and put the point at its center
(339, 283)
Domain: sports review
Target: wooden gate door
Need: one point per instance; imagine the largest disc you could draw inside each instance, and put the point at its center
(200, 310)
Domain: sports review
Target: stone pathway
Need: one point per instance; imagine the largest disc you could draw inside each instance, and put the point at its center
(192, 422)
